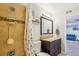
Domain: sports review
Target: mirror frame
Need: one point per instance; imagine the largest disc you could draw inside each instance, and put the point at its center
(41, 18)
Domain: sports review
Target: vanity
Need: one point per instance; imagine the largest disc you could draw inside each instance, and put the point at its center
(50, 43)
(52, 47)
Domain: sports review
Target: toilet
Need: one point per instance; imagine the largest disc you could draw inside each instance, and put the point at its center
(37, 47)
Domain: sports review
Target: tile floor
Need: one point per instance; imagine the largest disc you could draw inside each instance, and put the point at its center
(73, 48)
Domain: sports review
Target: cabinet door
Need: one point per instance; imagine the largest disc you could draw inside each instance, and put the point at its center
(45, 46)
(57, 46)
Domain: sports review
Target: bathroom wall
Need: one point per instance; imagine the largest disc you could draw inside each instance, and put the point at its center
(61, 22)
(58, 21)
(36, 26)
(58, 17)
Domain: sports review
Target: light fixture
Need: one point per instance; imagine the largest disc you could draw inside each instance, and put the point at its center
(69, 11)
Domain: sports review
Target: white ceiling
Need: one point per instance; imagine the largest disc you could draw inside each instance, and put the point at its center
(63, 6)
(57, 7)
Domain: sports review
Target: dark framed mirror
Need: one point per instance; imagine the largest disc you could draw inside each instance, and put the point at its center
(46, 25)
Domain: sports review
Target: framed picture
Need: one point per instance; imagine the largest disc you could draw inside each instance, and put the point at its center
(46, 26)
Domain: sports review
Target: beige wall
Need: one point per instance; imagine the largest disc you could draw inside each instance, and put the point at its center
(36, 26)
(58, 21)
(61, 22)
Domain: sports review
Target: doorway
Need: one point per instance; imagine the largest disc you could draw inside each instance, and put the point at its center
(72, 27)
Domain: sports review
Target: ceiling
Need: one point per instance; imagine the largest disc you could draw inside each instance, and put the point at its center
(57, 7)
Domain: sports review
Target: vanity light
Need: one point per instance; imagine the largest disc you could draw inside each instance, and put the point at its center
(69, 11)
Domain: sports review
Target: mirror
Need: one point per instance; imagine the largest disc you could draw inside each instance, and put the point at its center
(46, 26)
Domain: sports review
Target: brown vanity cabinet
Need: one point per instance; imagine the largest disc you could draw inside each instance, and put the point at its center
(53, 48)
